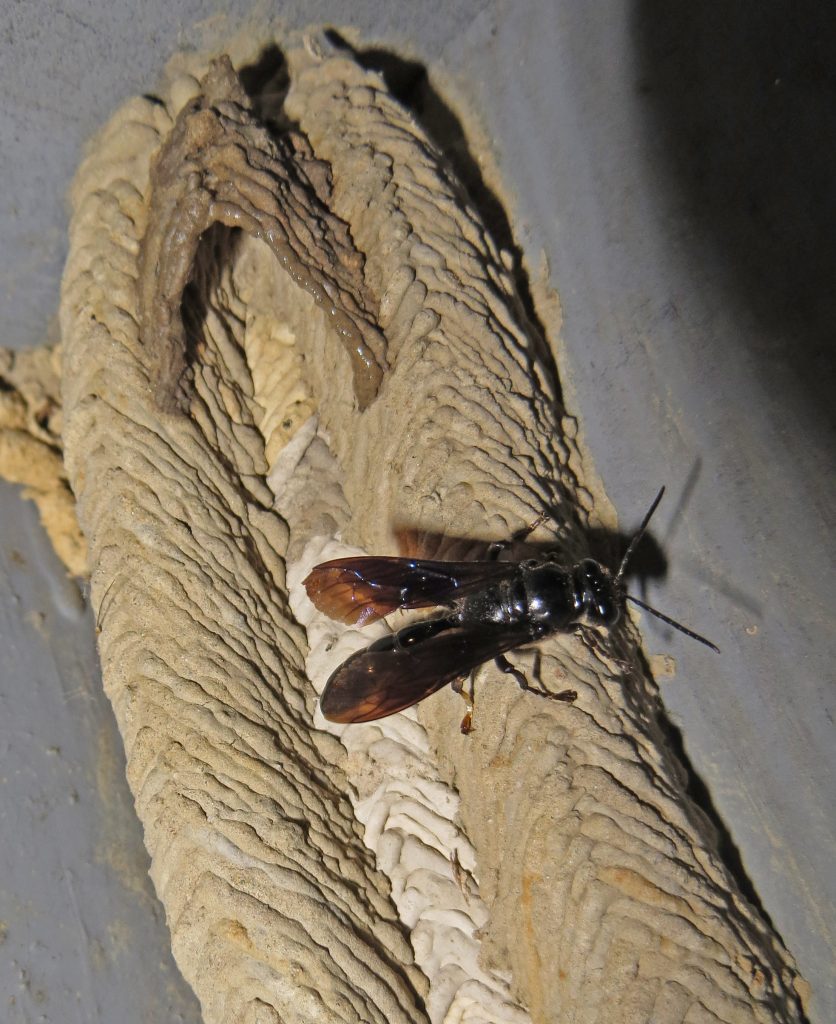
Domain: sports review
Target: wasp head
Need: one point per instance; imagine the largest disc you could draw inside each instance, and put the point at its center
(597, 596)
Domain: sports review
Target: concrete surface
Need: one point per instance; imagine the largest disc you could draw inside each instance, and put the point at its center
(82, 936)
(674, 164)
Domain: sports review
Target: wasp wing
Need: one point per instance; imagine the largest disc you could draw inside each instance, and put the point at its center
(401, 670)
(362, 590)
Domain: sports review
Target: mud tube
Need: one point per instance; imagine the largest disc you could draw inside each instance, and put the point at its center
(325, 310)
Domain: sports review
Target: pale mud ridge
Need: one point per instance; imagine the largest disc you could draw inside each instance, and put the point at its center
(360, 342)
(31, 447)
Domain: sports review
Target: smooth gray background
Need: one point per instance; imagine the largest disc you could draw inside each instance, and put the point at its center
(673, 167)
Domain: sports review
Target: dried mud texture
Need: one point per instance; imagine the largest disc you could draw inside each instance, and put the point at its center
(606, 898)
(276, 910)
(219, 166)
(31, 447)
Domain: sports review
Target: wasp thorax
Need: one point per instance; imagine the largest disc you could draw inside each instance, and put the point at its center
(550, 597)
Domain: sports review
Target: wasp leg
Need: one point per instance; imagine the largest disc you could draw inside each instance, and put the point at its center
(469, 698)
(499, 546)
(504, 665)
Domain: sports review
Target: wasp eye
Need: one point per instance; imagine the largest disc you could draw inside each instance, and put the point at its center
(595, 593)
(607, 610)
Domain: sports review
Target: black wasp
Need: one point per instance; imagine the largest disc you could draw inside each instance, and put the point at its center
(493, 607)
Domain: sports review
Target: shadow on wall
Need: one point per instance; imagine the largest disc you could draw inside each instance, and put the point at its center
(742, 103)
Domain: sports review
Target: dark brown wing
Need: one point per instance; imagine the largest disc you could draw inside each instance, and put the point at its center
(385, 678)
(362, 590)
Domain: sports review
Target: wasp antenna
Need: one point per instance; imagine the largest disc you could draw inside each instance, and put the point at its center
(637, 536)
(673, 622)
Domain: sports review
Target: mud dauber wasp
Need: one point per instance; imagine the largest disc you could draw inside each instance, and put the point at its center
(492, 607)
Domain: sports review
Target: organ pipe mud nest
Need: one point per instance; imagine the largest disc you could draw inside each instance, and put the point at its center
(277, 347)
